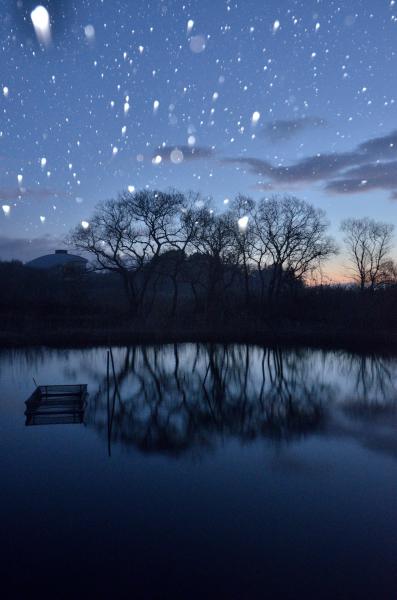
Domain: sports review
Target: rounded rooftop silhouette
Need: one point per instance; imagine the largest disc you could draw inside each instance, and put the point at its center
(60, 259)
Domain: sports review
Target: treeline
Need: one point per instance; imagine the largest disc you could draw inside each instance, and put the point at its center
(168, 259)
(247, 256)
(175, 253)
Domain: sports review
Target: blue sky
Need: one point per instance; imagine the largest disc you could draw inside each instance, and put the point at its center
(122, 82)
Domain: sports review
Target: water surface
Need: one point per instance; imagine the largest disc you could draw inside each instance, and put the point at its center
(202, 471)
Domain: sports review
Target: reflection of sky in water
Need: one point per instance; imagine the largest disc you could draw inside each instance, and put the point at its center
(213, 479)
(203, 394)
(343, 371)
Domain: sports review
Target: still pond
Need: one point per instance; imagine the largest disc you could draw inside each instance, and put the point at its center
(200, 471)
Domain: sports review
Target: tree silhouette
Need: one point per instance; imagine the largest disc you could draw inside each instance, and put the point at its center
(293, 235)
(368, 244)
(125, 235)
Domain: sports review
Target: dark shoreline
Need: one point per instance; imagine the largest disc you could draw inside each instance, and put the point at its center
(325, 337)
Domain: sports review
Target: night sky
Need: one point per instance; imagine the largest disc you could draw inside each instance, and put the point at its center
(214, 96)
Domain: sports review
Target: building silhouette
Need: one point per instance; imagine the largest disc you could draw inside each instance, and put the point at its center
(60, 260)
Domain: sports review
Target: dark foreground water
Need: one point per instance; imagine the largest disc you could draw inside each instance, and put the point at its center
(203, 471)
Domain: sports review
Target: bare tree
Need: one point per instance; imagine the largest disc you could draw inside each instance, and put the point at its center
(368, 243)
(212, 248)
(181, 240)
(241, 211)
(388, 274)
(127, 234)
(292, 234)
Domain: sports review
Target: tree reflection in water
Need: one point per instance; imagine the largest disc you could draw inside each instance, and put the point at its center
(175, 398)
(375, 386)
(189, 397)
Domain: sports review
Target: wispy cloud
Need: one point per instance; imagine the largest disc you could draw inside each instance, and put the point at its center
(313, 168)
(371, 165)
(284, 129)
(366, 177)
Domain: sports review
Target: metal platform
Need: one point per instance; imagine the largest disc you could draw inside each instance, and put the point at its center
(56, 405)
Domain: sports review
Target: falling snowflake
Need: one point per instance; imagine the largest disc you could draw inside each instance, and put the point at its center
(89, 32)
(176, 156)
(197, 44)
(41, 23)
(242, 223)
(276, 25)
